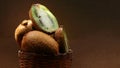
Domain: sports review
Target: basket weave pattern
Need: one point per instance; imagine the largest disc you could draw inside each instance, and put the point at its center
(33, 60)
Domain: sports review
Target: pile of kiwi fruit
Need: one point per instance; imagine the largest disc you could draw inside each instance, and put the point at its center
(41, 33)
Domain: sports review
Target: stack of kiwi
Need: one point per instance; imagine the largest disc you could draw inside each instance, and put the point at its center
(41, 33)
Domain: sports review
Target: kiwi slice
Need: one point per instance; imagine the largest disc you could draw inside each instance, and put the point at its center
(43, 19)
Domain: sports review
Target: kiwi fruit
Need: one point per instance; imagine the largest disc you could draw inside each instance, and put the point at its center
(39, 42)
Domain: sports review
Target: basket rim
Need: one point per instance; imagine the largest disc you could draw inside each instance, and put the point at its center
(33, 53)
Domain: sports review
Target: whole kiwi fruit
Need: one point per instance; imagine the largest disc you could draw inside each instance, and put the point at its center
(39, 42)
(23, 28)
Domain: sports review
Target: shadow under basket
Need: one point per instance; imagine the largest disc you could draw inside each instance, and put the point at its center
(34, 60)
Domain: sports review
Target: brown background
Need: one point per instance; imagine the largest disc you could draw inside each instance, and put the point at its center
(92, 28)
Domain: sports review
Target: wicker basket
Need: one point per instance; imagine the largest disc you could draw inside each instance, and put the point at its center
(33, 60)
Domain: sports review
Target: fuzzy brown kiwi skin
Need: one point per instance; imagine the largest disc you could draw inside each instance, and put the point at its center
(61, 38)
(23, 28)
(39, 42)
